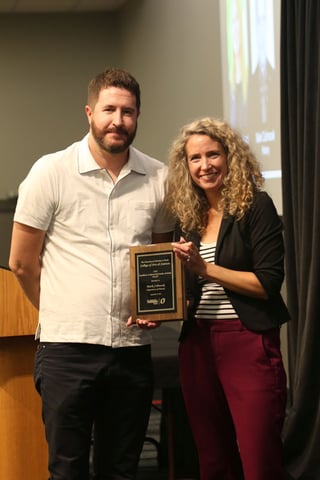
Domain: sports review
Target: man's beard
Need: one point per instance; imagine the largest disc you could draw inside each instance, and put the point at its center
(99, 136)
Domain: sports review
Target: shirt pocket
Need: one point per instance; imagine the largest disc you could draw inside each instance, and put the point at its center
(140, 219)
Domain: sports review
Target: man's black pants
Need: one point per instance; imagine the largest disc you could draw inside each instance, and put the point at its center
(92, 391)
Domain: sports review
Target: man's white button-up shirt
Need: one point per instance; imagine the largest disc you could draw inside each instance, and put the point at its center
(90, 223)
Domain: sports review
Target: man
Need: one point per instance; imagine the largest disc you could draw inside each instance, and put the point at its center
(78, 212)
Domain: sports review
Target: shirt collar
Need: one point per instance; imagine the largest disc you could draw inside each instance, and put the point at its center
(134, 163)
(86, 162)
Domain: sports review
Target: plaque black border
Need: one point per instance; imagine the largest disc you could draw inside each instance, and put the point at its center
(171, 303)
(178, 309)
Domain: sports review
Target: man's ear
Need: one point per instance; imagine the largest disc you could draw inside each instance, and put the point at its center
(88, 113)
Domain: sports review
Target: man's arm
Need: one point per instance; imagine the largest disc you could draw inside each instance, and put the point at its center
(25, 259)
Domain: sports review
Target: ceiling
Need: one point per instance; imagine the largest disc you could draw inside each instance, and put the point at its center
(55, 6)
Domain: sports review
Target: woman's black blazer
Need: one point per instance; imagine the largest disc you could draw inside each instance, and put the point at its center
(253, 243)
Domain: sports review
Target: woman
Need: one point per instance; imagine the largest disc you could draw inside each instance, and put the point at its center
(230, 239)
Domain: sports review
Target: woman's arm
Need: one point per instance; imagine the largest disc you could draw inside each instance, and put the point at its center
(263, 251)
(245, 283)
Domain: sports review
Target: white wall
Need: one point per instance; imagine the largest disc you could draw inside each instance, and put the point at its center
(171, 46)
(46, 62)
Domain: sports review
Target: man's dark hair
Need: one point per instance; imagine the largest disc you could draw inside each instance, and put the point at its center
(113, 77)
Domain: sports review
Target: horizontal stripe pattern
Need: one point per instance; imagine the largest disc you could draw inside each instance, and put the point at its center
(214, 303)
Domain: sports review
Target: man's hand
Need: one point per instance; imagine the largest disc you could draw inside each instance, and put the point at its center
(144, 324)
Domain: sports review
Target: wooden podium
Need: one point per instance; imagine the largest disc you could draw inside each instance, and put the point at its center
(23, 448)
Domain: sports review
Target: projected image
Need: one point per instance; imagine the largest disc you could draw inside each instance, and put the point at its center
(250, 40)
(262, 47)
(238, 66)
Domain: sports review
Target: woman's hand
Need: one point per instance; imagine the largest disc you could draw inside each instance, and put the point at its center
(189, 255)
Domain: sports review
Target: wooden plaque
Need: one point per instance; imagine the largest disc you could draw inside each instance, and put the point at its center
(157, 283)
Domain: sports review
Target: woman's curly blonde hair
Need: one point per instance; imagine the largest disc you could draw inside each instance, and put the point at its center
(186, 200)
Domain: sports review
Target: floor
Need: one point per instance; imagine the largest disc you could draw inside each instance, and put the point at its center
(154, 463)
(149, 468)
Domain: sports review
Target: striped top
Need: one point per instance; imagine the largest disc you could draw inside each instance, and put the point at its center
(214, 303)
